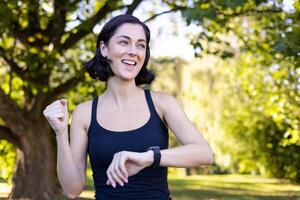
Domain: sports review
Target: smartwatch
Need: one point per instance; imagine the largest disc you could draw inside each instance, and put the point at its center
(157, 156)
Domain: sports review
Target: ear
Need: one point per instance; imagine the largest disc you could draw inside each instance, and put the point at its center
(103, 49)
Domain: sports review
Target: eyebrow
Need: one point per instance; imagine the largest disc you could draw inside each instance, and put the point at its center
(139, 40)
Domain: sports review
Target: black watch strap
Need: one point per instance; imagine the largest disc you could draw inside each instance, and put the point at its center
(157, 156)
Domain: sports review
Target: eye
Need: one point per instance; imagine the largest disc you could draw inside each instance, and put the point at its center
(123, 42)
(142, 46)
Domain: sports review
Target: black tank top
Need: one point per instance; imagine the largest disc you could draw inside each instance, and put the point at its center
(149, 183)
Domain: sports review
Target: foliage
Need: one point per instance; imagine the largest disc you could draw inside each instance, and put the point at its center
(257, 91)
(251, 122)
(252, 100)
(266, 121)
(261, 26)
(7, 160)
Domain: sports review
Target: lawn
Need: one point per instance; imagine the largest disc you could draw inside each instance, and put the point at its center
(232, 187)
(217, 187)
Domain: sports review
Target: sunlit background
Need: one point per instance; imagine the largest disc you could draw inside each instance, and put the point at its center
(232, 65)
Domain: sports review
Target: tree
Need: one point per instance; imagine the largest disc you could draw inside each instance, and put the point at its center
(41, 54)
(42, 47)
(260, 90)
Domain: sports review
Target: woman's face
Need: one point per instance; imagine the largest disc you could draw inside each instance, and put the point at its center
(127, 50)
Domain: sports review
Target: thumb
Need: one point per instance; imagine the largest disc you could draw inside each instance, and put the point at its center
(64, 101)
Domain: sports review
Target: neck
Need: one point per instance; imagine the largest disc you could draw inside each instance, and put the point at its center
(120, 92)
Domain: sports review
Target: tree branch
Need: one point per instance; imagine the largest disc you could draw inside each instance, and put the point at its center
(23, 34)
(74, 3)
(86, 27)
(252, 12)
(168, 11)
(58, 22)
(8, 135)
(11, 113)
(42, 99)
(33, 17)
(13, 65)
(71, 83)
(133, 6)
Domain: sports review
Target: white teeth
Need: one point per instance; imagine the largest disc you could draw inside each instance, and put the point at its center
(129, 62)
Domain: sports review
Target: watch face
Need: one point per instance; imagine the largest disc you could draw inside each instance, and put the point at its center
(155, 148)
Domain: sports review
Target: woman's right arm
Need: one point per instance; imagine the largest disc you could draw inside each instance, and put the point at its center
(71, 156)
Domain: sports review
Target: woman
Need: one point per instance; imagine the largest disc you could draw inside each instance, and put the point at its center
(124, 130)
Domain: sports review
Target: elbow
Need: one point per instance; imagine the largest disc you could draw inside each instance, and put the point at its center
(210, 157)
(72, 195)
(207, 158)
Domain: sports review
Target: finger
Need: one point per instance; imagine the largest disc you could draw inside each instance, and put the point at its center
(54, 114)
(57, 115)
(64, 104)
(121, 164)
(54, 118)
(110, 177)
(116, 178)
(117, 170)
(54, 110)
(53, 122)
(116, 173)
(45, 112)
(53, 105)
(64, 101)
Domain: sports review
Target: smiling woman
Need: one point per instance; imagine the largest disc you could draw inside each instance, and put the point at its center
(126, 39)
(124, 130)
(126, 53)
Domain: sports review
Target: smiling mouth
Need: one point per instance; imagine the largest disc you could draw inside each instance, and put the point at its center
(129, 62)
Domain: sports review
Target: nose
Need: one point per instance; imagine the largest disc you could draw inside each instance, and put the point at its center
(132, 50)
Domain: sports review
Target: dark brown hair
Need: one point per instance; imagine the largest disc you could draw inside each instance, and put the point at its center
(99, 67)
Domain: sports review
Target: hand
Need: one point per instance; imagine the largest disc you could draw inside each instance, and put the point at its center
(125, 164)
(57, 115)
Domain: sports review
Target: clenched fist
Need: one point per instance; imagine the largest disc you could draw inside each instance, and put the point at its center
(57, 115)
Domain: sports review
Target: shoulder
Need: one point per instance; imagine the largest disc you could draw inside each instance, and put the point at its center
(164, 101)
(83, 108)
(158, 95)
(82, 114)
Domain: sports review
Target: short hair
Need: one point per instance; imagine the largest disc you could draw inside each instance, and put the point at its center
(99, 67)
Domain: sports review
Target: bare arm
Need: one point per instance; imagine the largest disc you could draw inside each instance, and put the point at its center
(71, 157)
(195, 150)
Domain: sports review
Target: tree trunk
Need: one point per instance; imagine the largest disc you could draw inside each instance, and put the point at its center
(188, 172)
(35, 175)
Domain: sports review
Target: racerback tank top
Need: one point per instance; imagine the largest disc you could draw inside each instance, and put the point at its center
(149, 183)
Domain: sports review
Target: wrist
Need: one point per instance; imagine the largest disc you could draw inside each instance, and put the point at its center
(156, 156)
(62, 136)
(149, 155)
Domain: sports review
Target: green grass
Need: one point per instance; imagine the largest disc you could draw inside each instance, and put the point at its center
(216, 187)
(232, 187)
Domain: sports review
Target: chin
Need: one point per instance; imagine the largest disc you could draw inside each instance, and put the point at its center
(126, 77)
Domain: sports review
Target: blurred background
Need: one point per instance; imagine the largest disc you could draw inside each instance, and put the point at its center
(232, 64)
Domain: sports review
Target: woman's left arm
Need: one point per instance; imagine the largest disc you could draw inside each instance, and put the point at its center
(195, 150)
